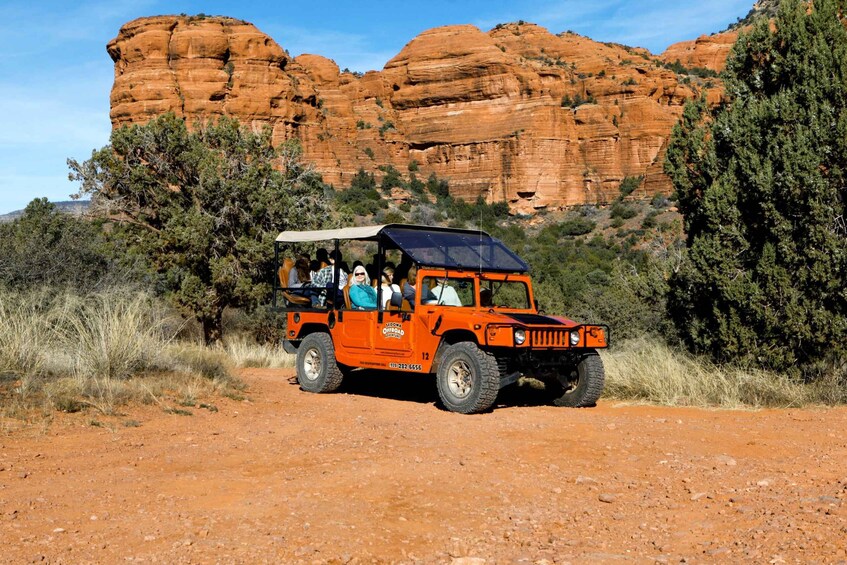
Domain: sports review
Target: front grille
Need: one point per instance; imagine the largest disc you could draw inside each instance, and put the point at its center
(549, 338)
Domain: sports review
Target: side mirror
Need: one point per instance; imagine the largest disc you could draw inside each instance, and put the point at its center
(396, 299)
(535, 303)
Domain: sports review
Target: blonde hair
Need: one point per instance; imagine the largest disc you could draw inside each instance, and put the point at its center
(388, 275)
(361, 269)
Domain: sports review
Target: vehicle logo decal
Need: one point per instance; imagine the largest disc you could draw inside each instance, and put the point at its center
(393, 330)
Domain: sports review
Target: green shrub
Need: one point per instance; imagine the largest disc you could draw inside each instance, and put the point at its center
(577, 226)
(45, 247)
(623, 211)
(630, 184)
(437, 187)
(391, 179)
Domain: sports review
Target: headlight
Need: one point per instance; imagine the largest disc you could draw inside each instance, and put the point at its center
(520, 337)
(574, 338)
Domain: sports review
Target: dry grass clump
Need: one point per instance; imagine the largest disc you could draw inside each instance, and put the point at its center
(244, 352)
(650, 371)
(100, 351)
(25, 333)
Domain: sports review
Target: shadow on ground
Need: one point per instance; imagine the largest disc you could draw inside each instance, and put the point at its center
(408, 387)
(421, 388)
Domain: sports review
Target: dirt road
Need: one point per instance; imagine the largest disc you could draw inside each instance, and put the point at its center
(366, 476)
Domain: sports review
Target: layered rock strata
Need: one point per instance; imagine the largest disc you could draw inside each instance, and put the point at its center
(515, 114)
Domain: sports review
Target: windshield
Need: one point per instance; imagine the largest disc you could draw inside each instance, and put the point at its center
(504, 294)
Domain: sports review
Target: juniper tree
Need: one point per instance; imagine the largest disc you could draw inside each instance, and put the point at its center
(45, 247)
(204, 206)
(761, 185)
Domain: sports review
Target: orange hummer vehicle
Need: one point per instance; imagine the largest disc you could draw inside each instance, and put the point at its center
(465, 313)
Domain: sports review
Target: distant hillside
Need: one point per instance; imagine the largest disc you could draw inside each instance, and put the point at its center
(72, 207)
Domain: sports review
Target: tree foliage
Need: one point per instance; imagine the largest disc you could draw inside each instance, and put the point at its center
(45, 247)
(761, 183)
(205, 206)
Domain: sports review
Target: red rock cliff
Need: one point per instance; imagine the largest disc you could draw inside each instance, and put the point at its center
(516, 113)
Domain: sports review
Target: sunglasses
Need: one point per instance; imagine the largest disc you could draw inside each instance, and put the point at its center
(359, 274)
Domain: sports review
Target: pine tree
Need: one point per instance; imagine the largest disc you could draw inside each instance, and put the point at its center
(761, 184)
(205, 207)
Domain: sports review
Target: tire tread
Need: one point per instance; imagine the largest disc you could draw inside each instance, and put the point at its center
(333, 375)
(489, 379)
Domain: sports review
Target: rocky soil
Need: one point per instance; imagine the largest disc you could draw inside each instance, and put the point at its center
(377, 473)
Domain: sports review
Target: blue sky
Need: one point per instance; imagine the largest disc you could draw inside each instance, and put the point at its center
(55, 74)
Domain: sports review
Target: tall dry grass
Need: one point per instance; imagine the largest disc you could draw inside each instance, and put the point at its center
(651, 372)
(25, 334)
(70, 352)
(243, 351)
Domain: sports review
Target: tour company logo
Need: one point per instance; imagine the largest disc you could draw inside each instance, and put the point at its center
(393, 330)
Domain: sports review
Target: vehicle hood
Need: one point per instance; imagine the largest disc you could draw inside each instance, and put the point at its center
(525, 319)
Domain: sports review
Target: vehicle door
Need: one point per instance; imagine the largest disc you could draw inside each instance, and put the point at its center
(357, 329)
(394, 335)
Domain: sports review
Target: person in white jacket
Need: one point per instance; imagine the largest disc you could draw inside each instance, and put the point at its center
(445, 294)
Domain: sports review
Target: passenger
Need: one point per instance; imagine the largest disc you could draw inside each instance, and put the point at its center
(410, 292)
(322, 258)
(485, 297)
(314, 267)
(362, 294)
(324, 278)
(370, 268)
(387, 287)
(402, 270)
(358, 263)
(299, 275)
(445, 294)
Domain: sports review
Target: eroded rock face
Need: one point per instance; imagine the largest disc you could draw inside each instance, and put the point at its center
(707, 51)
(515, 114)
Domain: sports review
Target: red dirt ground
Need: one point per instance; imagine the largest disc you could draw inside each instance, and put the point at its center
(379, 474)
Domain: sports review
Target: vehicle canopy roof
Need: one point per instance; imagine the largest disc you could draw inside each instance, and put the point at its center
(426, 245)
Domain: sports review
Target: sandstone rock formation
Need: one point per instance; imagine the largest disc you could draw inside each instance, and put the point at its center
(707, 51)
(515, 114)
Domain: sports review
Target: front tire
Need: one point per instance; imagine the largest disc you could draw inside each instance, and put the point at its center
(582, 385)
(468, 379)
(317, 369)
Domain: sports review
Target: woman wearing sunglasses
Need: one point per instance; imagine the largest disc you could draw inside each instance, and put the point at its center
(362, 294)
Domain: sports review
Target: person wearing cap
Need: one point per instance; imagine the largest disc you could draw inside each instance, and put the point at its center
(362, 294)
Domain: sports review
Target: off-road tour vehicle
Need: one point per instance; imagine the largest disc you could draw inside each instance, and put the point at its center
(472, 321)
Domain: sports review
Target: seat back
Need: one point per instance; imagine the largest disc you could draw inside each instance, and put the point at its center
(290, 298)
(347, 303)
(284, 270)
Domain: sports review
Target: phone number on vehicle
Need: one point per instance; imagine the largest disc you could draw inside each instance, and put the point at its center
(406, 366)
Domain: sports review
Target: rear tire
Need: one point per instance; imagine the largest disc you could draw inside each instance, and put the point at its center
(468, 379)
(317, 369)
(582, 386)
